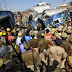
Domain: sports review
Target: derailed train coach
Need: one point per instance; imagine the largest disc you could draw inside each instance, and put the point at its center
(7, 19)
(53, 17)
(56, 17)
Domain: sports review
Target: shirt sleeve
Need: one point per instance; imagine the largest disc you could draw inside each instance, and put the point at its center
(52, 37)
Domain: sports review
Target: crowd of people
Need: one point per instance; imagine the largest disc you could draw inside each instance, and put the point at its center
(35, 50)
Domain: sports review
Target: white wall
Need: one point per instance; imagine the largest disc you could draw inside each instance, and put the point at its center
(41, 8)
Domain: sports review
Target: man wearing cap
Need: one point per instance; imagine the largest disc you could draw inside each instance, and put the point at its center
(17, 47)
(33, 42)
(66, 45)
(49, 36)
(18, 40)
(31, 58)
(39, 33)
(56, 52)
(2, 38)
(8, 31)
(43, 43)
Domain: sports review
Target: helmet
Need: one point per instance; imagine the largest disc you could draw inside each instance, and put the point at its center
(68, 31)
(4, 50)
(64, 35)
(20, 34)
(42, 34)
(8, 29)
(52, 31)
(69, 60)
(17, 29)
(0, 33)
(4, 34)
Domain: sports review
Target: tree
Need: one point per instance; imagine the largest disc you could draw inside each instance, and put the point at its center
(70, 3)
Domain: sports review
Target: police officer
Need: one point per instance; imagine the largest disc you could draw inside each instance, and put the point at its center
(8, 31)
(31, 58)
(56, 52)
(66, 45)
(43, 46)
(43, 43)
(2, 38)
(17, 47)
(33, 42)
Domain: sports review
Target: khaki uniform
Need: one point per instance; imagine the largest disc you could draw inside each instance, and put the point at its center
(34, 44)
(66, 45)
(27, 57)
(56, 53)
(13, 52)
(43, 44)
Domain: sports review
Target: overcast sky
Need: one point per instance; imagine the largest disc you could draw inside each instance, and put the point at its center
(21, 5)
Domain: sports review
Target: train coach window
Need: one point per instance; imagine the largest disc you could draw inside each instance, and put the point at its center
(71, 14)
(57, 21)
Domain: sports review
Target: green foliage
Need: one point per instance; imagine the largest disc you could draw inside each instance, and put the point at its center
(70, 3)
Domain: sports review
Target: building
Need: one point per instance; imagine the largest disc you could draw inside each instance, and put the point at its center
(41, 7)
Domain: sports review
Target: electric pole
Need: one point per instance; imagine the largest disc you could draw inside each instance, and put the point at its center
(5, 5)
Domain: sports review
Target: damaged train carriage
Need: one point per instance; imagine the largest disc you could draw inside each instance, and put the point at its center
(7, 19)
(52, 17)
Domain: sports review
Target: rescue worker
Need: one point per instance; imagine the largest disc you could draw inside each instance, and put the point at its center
(11, 36)
(22, 29)
(18, 40)
(2, 38)
(27, 36)
(56, 52)
(53, 31)
(8, 31)
(33, 42)
(43, 43)
(17, 47)
(49, 36)
(39, 33)
(31, 58)
(66, 45)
